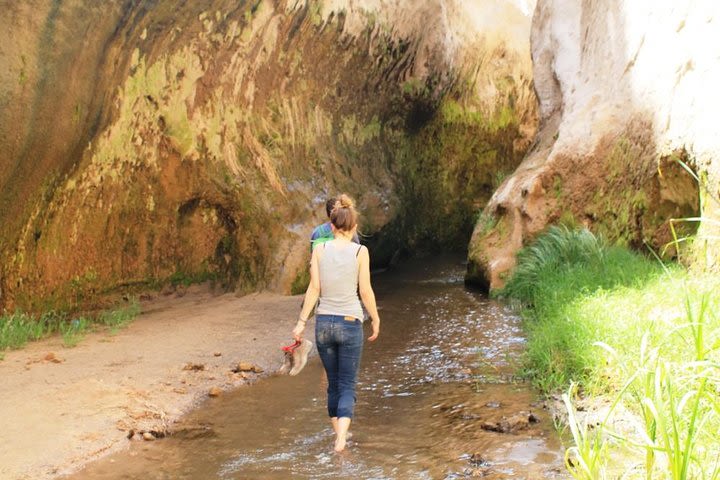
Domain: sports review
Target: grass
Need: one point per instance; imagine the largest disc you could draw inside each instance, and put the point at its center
(603, 321)
(17, 329)
(72, 332)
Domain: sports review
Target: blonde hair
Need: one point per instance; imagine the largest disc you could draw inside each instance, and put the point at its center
(344, 216)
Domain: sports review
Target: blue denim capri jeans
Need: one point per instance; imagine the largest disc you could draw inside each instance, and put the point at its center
(339, 343)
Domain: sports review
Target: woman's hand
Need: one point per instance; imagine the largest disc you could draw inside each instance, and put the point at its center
(376, 331)
(298, 331)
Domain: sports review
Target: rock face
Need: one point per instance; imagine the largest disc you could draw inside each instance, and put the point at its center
(155, 142)
(625, 90)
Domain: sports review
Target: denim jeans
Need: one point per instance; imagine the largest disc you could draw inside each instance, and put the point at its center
(339, 343)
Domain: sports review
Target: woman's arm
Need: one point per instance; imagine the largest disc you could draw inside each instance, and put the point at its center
(311, 295)
(366, 292)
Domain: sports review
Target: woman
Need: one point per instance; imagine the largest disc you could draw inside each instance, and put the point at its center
(338, 270)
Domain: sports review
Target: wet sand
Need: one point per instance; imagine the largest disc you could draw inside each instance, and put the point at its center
(64, 407)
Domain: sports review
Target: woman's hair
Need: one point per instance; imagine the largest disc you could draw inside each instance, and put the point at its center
(329, 205)
(344, 216)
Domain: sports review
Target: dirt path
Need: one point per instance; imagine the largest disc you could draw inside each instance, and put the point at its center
(58, 415)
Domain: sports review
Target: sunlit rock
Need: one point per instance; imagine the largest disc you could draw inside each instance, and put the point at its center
(625, 90)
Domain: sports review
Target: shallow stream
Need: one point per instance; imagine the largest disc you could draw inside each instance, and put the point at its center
(432, 391)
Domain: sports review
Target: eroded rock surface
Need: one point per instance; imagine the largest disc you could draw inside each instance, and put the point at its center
(147, 143)
(625, 90)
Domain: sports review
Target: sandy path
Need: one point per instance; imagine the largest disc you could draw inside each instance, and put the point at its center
(55, 417)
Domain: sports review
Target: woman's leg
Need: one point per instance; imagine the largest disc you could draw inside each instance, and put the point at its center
(349, 354)
(328, 351)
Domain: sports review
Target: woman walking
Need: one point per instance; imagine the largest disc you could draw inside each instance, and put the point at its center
(339, 269)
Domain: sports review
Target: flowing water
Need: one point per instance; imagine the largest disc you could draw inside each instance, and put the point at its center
(431, 391)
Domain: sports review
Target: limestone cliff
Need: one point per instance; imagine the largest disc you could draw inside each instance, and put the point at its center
(161, 141)
(625, 89)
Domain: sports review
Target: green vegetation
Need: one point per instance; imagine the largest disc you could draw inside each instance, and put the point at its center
(120, 317)
(181, 277)
(301, 282)
(448, 166)
(605, 321)
(72, 332)
(17, 329)
(566, 281)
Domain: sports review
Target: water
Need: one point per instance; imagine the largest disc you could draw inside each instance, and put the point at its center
(442, 367)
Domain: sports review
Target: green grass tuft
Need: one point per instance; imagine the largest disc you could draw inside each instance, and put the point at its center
(72, 332)
(120, 317)
(643, 334)
(17, 329)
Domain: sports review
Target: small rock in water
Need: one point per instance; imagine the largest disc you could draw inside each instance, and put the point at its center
(257, 369)
(491, 427)
(215, 392)
(493, 404)
(510, 424)
(514, 422)
(217, 354)
(476, 460)
(147, 436)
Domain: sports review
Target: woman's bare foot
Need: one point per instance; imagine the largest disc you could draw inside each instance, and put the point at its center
(343, 425)
(340, 444)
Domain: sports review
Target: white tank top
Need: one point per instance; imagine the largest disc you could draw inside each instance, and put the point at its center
(339, 280)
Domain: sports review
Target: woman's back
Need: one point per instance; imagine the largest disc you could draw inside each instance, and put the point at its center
(338, 268)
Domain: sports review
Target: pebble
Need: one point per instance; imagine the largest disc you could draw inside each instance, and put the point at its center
(194, 366)
(215, 392)
(245, 367)
(148, 436)
(50, 357)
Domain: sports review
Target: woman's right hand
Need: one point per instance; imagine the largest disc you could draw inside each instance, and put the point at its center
(375, 331)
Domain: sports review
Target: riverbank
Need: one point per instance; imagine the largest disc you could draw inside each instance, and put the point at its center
(64, 407)
(637, 340)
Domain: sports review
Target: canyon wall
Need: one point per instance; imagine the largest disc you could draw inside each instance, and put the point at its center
(148, 143)
(627, 98)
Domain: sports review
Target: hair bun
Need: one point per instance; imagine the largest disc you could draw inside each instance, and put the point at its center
(345, 201)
